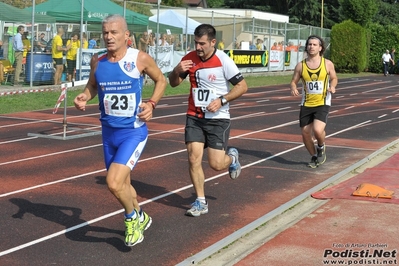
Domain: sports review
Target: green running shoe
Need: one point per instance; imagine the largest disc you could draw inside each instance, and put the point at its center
(145, 224)
(133, 234)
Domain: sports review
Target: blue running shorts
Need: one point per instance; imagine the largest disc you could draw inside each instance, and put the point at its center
(123, 145)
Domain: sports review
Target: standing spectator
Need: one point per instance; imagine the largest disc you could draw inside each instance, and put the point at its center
(274, 47)
(84, 42)
(18, 48)
(144, 42)
(93, 43)
(259, 45)
(131, 42)
(162, 40)
(386, 60)
(252, 46)
(392, 63)
(40, 43)
(57, 50)
(221, 44)
(208, 120)
(123, 115)
(187, 46)
(72, 45)
(27, 45)
(319, 80)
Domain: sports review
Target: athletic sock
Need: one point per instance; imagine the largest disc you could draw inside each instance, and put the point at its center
(131, 215)
(201, 199)
(141, 215)
(233, 159)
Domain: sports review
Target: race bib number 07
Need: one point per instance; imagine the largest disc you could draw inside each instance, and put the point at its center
(120, 104)
(203, 97)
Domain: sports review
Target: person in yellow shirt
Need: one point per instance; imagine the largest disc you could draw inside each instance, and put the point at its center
(26, 43)
(73, 45)
(57, 50)
(85, 42)
(221, 45)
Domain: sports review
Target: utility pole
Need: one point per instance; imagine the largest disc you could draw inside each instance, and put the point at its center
(322, 11)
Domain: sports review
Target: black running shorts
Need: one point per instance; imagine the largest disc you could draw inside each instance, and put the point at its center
(214, 133)
(308, 114)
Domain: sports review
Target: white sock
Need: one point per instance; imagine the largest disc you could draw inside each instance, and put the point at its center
(201, 199)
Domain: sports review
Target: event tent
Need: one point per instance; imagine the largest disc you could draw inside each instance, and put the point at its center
(13, 14)
(172, 18)
(93, 11)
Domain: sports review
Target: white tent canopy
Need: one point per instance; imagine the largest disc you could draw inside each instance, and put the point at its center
(177, 20)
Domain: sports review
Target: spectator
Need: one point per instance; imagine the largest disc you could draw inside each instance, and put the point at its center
(221, 44)
(1, 50)
(40, 43)
(259, 44)
(27, 45)
(275, 46)
(392, 64)
(187, 46)
(162, 41)
(93, 43)
(152, 39)
(73, 44)
(18, 48)
(252, 46)
(131, 42)
(386, 60)
(292, 47)
(57, 50)
(144, 42)
(84, 42)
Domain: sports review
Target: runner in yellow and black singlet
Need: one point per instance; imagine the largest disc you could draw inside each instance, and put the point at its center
(319, 80)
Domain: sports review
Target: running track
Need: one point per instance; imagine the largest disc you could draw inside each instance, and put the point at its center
(56, 208)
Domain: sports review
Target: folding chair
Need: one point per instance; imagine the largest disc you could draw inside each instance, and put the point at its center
(9, 71)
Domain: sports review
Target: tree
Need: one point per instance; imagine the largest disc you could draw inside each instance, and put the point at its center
(360, 11)
(215, 3)
(306, 12)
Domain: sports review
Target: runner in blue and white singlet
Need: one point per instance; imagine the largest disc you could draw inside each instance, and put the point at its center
(119, 90)
(116, 75)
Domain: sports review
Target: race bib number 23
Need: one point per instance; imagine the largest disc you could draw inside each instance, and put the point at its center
(120, 104)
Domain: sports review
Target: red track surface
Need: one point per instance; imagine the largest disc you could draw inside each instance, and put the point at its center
(56, 208)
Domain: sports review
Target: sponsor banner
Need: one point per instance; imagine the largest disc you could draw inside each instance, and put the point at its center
(164, 58)
(249, 58)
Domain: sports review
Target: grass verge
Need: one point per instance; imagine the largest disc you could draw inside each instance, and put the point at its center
(46, 100)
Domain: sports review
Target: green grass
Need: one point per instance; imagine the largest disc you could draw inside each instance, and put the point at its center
(46, 100)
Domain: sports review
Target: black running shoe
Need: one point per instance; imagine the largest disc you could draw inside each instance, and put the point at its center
(314, 163)
(321, 154)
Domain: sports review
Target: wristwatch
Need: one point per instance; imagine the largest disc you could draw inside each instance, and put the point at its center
(223, 100)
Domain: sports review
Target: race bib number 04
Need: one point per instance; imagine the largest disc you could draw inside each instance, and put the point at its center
(120, 104)
(315, 87)
(203, 97)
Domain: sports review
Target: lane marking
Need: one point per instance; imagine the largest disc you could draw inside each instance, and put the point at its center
(39, 240)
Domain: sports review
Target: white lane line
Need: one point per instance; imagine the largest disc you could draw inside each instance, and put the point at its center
(381, 116)
(283, 108)
(349, 107)
(39, 240)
